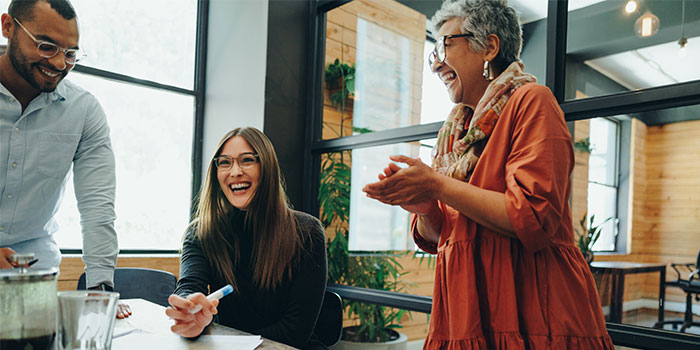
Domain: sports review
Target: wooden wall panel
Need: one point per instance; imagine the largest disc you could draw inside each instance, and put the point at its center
(664, 211)
(72, 266)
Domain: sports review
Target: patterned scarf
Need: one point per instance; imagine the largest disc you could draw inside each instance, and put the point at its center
(457, 150)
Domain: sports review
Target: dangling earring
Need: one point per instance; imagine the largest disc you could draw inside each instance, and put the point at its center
(488, 75)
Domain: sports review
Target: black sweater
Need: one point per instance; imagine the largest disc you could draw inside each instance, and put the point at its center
(287, 315)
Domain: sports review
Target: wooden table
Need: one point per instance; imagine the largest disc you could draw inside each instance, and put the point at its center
(151, 322)
(618, 270)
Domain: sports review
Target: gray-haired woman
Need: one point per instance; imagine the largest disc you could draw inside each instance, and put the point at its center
(494, 207)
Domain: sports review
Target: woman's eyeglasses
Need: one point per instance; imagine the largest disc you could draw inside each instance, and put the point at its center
(440, 53)
(245, 161)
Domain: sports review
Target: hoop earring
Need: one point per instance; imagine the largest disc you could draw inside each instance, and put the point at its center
(488, 74)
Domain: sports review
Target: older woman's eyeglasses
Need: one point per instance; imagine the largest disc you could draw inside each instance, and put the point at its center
(49, 50)
(440, 53)
(245, 161)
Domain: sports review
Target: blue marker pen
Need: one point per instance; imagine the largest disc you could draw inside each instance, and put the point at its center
(224, 291)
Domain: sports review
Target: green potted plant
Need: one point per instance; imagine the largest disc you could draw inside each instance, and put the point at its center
(583, 145)
(587, 236)
(376, 324)
(340, 81)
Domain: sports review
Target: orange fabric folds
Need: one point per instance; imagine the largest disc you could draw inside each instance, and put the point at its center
(535, 292)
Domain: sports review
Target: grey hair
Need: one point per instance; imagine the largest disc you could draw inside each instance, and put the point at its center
(484, 17)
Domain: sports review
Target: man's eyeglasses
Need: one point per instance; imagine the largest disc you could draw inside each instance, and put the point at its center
(440, 53)
(245, 161)
(49, 50)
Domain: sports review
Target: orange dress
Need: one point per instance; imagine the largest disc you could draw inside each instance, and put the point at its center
(535, 292)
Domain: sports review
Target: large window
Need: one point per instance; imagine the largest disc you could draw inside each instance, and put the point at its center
(152, 142)
(140, 65)
(640, 115)
(603, 180)
(379, 60)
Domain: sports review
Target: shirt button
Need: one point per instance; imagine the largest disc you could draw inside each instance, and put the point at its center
(9, 196)
(12, 99)
(2, 228)
(16, 129)
(14, 164)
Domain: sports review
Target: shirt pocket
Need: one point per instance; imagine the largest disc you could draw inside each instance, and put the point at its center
(57, 152)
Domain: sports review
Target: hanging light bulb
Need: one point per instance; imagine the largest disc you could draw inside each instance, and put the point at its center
(631, 6)
(683, 51)
(647, 24)
(683, 41)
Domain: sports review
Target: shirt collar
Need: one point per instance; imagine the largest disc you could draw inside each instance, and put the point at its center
(4, 91)
(59, 93)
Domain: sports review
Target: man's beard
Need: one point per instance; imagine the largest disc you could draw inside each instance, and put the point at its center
(25, 69)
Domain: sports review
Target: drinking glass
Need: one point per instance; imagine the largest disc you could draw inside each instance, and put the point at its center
(86, 319)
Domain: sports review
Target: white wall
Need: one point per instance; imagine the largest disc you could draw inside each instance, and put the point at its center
(236, 62)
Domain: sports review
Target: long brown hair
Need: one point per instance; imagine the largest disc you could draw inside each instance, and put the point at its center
(276, 240)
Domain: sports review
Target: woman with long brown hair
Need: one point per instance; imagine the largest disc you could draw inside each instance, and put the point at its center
(244, 234)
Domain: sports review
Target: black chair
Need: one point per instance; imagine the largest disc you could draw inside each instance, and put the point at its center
(691, 287)
(149, 284)
(330, 320)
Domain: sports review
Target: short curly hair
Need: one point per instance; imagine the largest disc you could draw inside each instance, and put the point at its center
(484, 17)
(22, 9)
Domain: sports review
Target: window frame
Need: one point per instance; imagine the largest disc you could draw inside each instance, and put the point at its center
(198, 92)
(662, 97)
(620, 212)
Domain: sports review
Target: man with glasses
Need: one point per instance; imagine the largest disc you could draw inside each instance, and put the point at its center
(48, 125)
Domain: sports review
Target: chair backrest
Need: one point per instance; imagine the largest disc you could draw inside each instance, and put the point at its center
(330, 320)
(149, 284)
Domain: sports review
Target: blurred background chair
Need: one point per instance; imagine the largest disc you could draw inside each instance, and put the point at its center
(330, 320)
(691, 286)
(149, 284)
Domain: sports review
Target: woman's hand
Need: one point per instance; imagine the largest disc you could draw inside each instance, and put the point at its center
(414, 188)
(186, 324)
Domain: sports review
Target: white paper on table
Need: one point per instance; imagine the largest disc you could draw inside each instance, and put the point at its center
(140, 340)
(120, 331)
(147, 317)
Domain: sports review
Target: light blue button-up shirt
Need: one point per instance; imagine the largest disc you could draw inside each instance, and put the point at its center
(37, 148)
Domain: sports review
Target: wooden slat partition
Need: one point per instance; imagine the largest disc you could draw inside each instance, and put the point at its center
(72, 266)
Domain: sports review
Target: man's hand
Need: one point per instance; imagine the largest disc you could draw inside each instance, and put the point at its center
(5, 262)
(123, 310)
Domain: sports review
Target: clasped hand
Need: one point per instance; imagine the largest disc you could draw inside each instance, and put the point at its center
(413, 188)
(186, 324)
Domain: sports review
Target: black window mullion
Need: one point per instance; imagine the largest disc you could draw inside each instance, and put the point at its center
(130, 80)
(314, 106)
(200, 72)
(323, 6)
(378, 138)
(555, 57)
(662, 97)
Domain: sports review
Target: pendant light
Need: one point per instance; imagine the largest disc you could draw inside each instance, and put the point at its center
(683, 41)
(647, 24)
